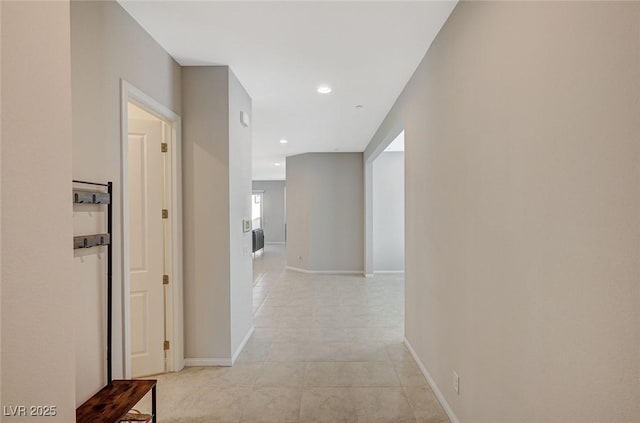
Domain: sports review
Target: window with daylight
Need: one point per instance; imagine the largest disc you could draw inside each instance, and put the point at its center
(256, 210)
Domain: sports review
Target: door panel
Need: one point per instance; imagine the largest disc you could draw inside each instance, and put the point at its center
(139, 316)
(146, 248)
(138, 203)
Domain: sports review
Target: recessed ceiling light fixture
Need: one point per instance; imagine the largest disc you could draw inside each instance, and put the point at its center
(283, 141)
(324, 89)
(276, 164)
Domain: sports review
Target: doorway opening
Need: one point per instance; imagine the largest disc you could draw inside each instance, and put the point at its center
(152, 236)
(388, 208)
(384, 206)
(268, 216)
(257, 210)
(257, 219)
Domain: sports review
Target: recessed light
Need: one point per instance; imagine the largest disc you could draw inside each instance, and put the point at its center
(276, 164)
(324, 89)
(283, 141)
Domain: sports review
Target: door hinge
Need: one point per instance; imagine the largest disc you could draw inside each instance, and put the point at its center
(165, 213)
(164, 147)
(166, 345)
(165, 279)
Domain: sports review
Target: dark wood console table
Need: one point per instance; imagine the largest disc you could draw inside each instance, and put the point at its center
(115, 400)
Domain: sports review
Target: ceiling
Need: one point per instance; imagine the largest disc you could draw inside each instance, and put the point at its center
(282, 51)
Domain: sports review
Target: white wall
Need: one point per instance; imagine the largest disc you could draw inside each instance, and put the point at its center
(273, 219)
(523, 211)
(239, 208)
(388, 212)
(217, 195)
(0, 206)
(107, 45)
(325, 213)
(37, 285)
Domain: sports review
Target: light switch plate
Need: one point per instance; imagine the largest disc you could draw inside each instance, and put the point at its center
(456, 383)
(245, 120)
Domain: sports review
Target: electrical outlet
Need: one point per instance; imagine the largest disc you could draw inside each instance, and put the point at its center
(299, 258)
(456, 383)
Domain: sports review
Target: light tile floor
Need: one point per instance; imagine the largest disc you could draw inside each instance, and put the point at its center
(325, 349)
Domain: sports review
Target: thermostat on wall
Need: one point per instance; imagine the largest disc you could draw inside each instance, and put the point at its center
(246, 225)
(244, 118)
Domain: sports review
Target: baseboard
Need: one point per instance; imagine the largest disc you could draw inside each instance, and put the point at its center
(275, 243)
(432, 383)
(219, 362)
(368, 275)
(390, 272)
(208, 362)
(242, 344)
(296, 269)
(325, 272)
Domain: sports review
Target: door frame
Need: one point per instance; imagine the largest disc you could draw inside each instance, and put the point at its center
(174, 313)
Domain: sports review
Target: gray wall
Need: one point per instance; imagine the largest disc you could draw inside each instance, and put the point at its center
(388, 212)
(205, 173)
(523, 211)
(273, 209)
(37, 270)
(216, 197)
(299, 213)
(107, 45)
(325, 212)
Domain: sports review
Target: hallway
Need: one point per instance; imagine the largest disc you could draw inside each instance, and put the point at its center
(326, 348)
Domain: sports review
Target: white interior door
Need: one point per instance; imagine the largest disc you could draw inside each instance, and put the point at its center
(146, 248)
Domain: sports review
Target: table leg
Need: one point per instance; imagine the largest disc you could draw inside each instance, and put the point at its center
(153, 404)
